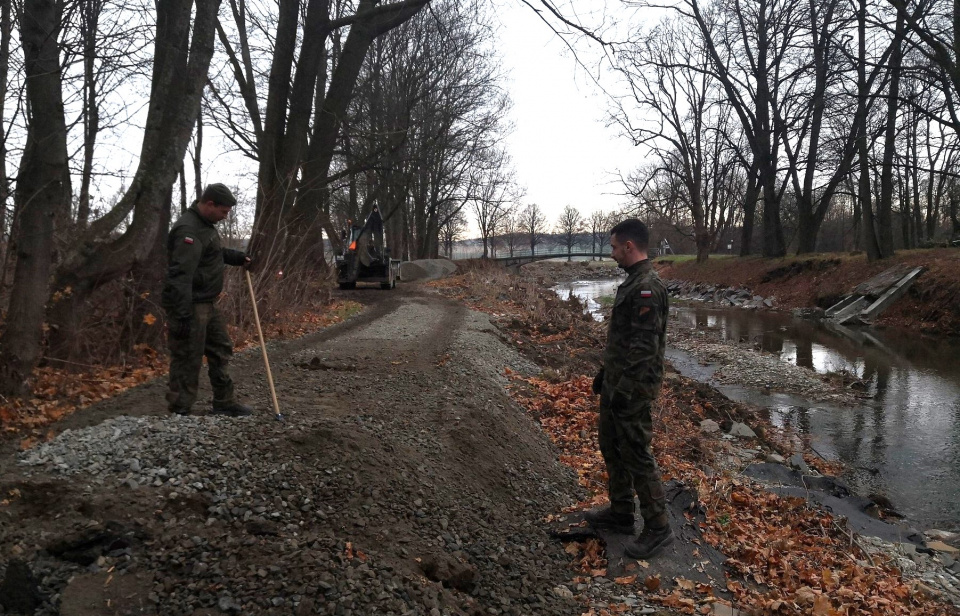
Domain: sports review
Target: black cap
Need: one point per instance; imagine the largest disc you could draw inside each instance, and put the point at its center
(219, 194)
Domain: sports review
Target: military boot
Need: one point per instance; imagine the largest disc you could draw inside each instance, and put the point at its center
(650, 542)
(607, 519)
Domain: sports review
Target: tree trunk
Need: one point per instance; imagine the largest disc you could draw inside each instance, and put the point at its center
(181, 61)
(148, 277)
(885, 204)
(808, 226)
(749, 212)
(5, 41)
(197, 151)
(871, 244)
(773, 241)
(955, 214)
(904, 211)
(89, 18)
(43, 187)
(183, 190)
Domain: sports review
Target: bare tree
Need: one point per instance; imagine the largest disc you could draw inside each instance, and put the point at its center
(570, 225)
(864, 196)
(599, 224)
(747, 43)
(496, 192)
(688, 133)
(533, 222)
(512, 231)
(452, 230)
(294, 156)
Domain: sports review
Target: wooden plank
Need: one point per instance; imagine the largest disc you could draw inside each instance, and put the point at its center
(878, 285)
(893, 294)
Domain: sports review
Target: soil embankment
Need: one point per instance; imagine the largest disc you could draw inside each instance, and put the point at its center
(931, 305)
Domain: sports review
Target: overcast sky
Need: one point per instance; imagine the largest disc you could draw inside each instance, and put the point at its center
(562, 151)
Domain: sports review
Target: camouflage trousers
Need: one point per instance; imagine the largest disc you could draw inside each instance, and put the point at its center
(208, 337)
(625, 435)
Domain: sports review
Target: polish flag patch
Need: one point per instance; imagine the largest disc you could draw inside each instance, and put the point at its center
(188, 240)
(646, 293)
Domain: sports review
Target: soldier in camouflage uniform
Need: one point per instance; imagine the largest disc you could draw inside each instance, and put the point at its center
(628, 384)
(194, 281)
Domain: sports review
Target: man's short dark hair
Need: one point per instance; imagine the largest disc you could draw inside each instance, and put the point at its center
(632, 230)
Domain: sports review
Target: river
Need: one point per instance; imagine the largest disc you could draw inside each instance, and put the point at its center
(903, 442)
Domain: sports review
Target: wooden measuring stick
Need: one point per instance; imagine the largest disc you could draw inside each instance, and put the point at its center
(263, 346)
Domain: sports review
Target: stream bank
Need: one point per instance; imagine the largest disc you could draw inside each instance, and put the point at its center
(705, 441)
(884, 402)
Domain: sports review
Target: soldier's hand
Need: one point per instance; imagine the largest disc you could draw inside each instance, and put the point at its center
(248, 262)
(598, 383)
(180, 329)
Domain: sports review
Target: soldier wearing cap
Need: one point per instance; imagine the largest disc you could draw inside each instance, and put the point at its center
(628, 384)
(194, 281)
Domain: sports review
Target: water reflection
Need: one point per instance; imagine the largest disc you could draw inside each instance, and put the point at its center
(903, 442)
(589, 291)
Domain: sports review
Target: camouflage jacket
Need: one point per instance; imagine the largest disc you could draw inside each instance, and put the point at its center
(195, 263)
(636, 338)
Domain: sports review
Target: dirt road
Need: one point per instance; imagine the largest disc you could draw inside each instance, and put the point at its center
(404, 481)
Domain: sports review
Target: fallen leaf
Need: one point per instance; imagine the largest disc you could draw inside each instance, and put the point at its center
(821, 606)
(684, 583)
(627, 579)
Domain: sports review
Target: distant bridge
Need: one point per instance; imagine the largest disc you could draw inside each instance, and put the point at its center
(522, 257)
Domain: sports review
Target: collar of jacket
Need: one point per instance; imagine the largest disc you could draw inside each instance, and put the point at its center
(196, 210)
(639, 267)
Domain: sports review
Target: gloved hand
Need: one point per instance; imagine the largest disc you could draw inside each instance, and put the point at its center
(598, 383)
(180, 329)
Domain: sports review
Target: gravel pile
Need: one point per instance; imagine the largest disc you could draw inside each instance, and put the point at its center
(174, 451)
(741, 364)
(426, 269)
(404, 481)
